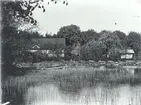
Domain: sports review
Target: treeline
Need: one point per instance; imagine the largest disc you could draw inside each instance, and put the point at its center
(98, 46)
(94, 46)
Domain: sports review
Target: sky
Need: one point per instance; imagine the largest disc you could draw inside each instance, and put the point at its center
(91, 14)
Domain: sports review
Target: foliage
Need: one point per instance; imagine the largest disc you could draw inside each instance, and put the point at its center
(93, 50)
(47, 35)
(122, 36)
(112, 43)
(14, 43)
(70, 32)
(134, 41)
(23, 9)
(107, 46)
(88, 35)
(95, 45)
(35, 35)
(68, 54)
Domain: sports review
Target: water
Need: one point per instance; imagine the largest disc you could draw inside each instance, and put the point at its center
(100, 95)
(48, 88)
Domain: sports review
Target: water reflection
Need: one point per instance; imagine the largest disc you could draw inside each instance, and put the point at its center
(51, 95)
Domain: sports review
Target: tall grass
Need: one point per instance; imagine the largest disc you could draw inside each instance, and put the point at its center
(74, 81)
(68, 80)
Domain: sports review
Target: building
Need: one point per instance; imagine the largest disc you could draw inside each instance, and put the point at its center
(53, 47)
(127, 54)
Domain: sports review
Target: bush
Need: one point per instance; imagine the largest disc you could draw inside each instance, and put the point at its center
(93, 50)
(39, 56)
(68, 54)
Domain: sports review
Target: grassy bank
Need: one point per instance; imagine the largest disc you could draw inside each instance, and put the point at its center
(73, 77)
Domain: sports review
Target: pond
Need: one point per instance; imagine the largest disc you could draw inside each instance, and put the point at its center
(100, 95)
(74, 87)
(51, 94)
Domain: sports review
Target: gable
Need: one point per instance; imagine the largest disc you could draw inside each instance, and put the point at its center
(36, 47)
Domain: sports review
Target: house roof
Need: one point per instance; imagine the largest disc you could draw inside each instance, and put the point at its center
(131, 51)
(47, 43)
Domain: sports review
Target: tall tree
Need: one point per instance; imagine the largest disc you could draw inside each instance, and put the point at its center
(35, 34)
(134, 41)
(13, 13)
(23, 9)
(112, 43)
(70, 32)
(122, 37)
(47, 35)
(88, 35)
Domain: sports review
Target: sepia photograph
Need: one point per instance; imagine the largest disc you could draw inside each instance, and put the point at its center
(70, 52)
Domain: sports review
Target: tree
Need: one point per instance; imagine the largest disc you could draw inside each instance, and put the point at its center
(112, 43)
(134, 41)
(47, 35)
(14, 44)
(108, 45)
(70, 32)
(23, 9)
(54, 36)
(88, 35)
(93, 50)
(122, 37)
(13, 13)
(35, 35)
